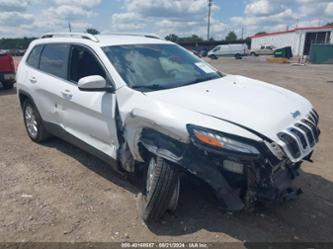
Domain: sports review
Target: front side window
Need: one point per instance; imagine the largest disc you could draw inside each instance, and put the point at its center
(33, 59)
(82, 64)
(158, 66)
(54, 60)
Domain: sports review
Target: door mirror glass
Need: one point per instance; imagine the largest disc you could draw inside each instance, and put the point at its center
(94, 83)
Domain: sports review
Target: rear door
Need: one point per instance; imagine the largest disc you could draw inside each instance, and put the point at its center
(46, 77)
(89, 116)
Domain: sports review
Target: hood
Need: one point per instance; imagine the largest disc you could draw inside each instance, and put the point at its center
(259, 106)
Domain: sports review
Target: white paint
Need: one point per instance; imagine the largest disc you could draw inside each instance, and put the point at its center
(90, 116)
(229, 50)
(295, 39)
(92, 82)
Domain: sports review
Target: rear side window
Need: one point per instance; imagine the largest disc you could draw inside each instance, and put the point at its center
(84, 63)
(33, 59)
(54, 60)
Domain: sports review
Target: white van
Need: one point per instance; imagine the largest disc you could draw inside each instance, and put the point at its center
(237, 50)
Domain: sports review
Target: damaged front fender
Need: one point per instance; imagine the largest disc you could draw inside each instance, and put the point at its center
(186, 156)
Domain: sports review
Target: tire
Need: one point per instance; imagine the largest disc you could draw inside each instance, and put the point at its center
(213, 57)
(253, 54)
(7, 85)
(34, 123)
(238, 57)
(162, 187)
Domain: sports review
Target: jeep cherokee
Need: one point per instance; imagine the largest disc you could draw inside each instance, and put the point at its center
(136, 100)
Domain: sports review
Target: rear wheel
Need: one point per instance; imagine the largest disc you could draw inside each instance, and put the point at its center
(161, 191)
(238, 56)
(8, 85)
(34, 123)
(253, 54)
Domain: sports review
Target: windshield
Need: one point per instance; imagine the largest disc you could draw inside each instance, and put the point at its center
(158, 66)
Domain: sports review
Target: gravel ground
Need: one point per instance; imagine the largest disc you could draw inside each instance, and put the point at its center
(56, 192)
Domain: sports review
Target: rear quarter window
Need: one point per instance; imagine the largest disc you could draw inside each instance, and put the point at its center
(33, 59)
(54, 60)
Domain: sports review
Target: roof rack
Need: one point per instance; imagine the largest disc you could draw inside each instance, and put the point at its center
(147, 35)
(64, 34)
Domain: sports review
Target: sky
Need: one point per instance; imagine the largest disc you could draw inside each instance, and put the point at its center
(182, 17)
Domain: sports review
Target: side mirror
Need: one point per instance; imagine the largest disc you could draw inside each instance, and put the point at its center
(94, 83)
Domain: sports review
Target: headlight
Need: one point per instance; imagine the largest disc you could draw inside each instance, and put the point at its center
(221, 141)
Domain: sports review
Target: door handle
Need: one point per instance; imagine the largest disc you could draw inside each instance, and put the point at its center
(33, 80)
(67, 94)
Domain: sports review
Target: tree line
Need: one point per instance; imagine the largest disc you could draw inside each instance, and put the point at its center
(23, 43)
(15, 43)
(194, 38)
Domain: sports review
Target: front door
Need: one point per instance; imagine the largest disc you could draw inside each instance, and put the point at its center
(89, 116)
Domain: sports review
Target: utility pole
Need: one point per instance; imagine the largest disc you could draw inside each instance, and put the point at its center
(69, 27)
(209, 15)
(242, 32)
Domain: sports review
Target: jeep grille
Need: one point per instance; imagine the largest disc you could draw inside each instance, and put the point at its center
(300, 138)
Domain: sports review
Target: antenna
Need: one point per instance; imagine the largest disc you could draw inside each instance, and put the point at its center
(209, 15)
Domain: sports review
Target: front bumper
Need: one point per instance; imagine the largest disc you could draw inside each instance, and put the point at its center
(264, 178)
(262, 181)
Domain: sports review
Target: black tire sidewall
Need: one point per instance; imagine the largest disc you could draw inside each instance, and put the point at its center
(151, 208)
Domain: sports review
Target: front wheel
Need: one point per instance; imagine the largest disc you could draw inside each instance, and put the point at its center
(213, 57)
(161, 191)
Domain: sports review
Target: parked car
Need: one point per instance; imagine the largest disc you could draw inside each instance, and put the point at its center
(7, 70)
(195, 52)
(236, 50)
(203, 52)
(263, 50)
(148, 104)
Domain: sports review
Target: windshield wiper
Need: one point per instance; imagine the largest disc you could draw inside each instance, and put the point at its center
(149, 87)
(199, 80)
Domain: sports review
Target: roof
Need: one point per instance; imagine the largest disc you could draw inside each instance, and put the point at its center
(111, 40)
(101, 40)
(291, 31)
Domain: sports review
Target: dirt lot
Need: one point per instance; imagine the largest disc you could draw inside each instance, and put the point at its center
(56, 192)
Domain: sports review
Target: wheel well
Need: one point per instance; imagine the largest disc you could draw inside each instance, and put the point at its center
(23, 97)
(154, 142)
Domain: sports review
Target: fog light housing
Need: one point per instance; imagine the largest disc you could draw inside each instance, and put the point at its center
(233, 167)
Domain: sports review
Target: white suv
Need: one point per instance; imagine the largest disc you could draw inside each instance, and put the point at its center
(139, 101)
